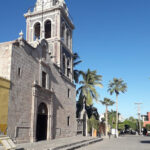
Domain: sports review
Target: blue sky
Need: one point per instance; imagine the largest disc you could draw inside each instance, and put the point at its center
(111, 36)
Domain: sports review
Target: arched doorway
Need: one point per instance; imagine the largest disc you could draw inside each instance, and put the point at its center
(41, 127)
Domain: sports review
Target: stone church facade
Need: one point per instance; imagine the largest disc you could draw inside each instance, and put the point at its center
(42, 96)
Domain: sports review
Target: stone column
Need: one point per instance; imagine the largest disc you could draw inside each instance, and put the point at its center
(51, 117)
(49, 123)
(33, 114)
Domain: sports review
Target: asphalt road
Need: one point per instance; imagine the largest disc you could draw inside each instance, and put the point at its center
(127, 142)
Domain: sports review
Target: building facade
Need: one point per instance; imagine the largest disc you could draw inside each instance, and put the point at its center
(146, 119)
(42, 101)
(4, 96)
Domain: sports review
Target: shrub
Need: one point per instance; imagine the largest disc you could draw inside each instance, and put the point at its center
(92, 123)
(148, 127)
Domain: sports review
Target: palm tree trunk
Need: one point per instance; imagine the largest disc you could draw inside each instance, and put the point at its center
(116, 115)
(106, 125)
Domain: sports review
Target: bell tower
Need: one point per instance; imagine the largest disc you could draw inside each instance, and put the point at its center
(50, 20)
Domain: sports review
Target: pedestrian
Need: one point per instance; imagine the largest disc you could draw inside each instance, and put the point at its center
(109, 134)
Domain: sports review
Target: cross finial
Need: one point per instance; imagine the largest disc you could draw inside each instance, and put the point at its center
(21, 34)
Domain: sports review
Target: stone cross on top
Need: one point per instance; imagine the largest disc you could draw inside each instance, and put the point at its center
(46, 4)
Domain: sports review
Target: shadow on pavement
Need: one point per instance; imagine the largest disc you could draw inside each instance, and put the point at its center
(145, 142)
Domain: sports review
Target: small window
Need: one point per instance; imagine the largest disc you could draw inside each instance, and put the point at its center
(68, 93)
(68, 121)
(146, 118)
(68, 67)
(64, 64)
(19, 72)
(68, 38)
(43, 79)
(63, 32)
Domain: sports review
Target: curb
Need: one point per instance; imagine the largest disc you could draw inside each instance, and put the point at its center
(85, 144)
(67, 145)
(77, 145)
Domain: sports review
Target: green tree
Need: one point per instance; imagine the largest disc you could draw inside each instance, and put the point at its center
(76, 61)
(148, 127)
(112, 118)
(131, 123)
(91, 110)
(116, 86)
(107, 102)
(132, 119)
(92, 123)
(121, 126)
(87, 90)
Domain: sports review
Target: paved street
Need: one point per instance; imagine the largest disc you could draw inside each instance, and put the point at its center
(122, 143)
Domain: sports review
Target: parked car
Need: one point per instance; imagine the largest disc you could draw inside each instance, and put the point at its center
(148, 133)
(133, 132)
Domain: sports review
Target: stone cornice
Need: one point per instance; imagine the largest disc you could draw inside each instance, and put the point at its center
(37, 86)
(67, 49)
(68, 80)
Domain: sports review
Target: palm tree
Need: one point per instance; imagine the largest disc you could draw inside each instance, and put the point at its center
(112, 117)
(107, 102)
(76, 61)
(116, 86)
(87, 91)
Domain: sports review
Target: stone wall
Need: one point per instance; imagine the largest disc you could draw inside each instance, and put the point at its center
(24, 72)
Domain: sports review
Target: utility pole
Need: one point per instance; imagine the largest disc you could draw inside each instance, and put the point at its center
(139, 115)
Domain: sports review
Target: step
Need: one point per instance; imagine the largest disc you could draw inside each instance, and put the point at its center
(60, 144)
(54, 144)
(72, 144)
(69, 145)
(79, 145)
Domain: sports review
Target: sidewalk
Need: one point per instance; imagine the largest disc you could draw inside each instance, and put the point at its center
(57, 144)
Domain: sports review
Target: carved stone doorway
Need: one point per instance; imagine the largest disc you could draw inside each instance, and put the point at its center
(41, 127)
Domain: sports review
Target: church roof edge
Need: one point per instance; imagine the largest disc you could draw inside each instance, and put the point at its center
(7, 43)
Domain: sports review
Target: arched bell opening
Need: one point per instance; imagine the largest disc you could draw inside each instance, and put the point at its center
(48, 29)
(37, 31)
